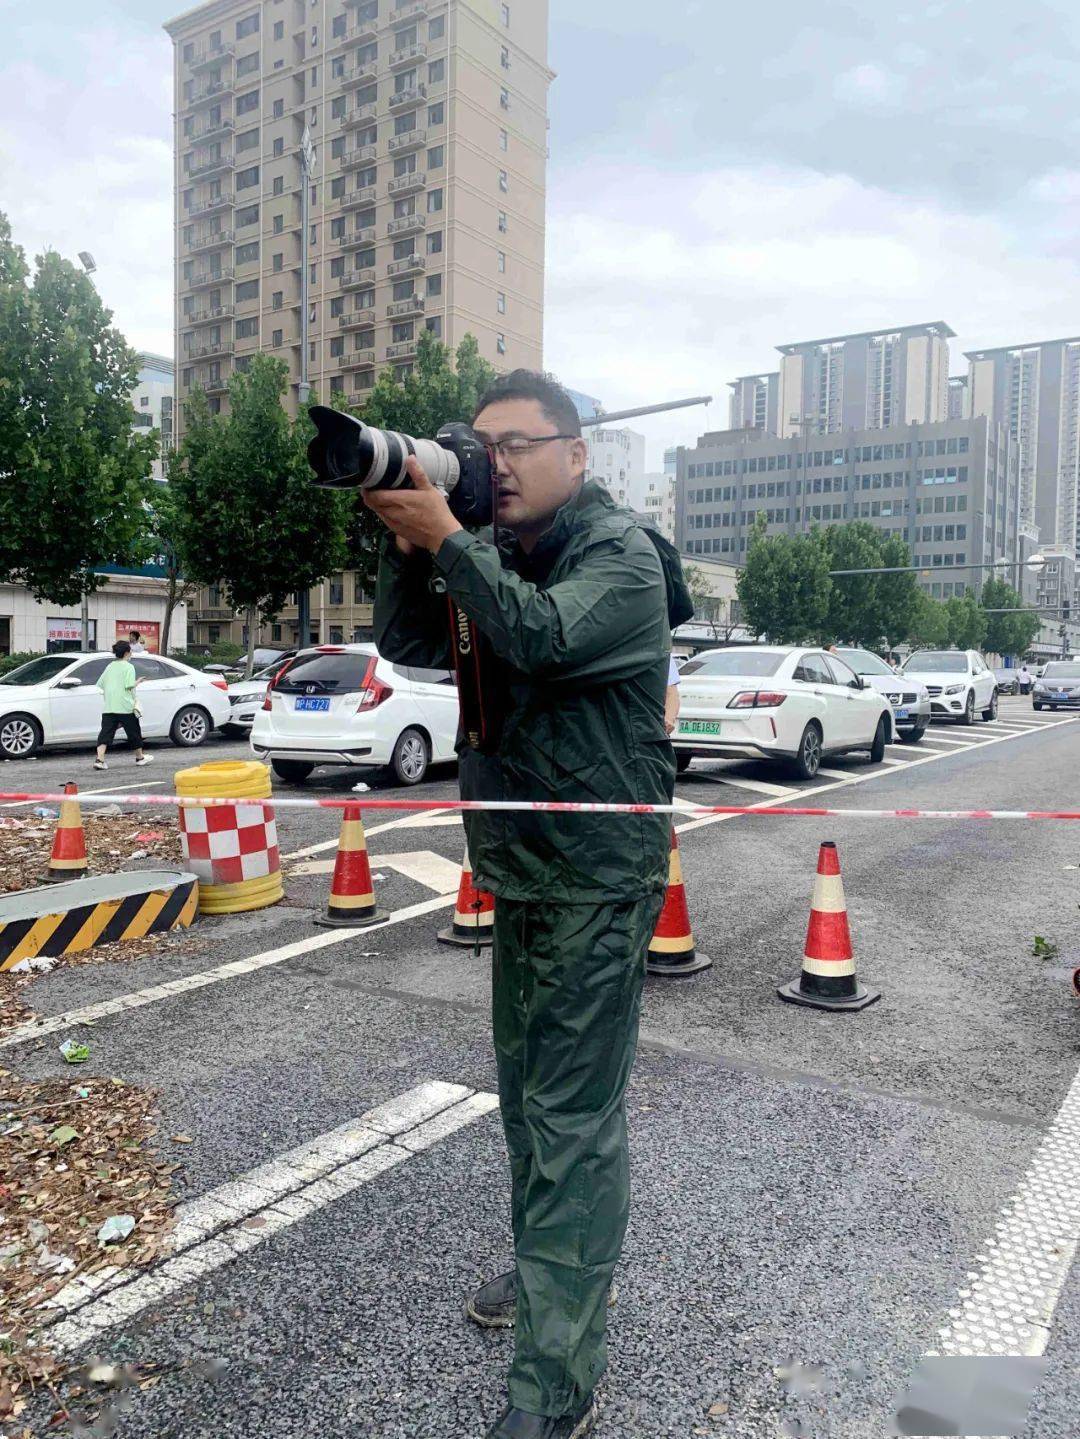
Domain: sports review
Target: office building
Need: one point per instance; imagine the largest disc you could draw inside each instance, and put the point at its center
(617, 460)
(1034, 390)
(659, 503)
(152, 401)
(754, 403)
(867, 381)
(950, 489)
(587, 406)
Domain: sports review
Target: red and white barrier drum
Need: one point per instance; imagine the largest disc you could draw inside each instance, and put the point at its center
(232, 848)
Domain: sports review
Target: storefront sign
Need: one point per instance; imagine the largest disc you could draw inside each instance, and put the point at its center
(66, 634)
(149, 629)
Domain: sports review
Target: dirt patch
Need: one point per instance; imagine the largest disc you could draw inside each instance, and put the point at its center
(113, 842)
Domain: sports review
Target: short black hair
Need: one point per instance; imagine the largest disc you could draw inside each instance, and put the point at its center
(121, 648)
(134, 635)
(555, 401)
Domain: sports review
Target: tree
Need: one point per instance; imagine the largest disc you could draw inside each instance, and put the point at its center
(247, 515)
(897, 595)
(854, 609)
(967, 621)
(784, 588)
(929, 628)
(1007, 634)
(436, 393)
(75, 476)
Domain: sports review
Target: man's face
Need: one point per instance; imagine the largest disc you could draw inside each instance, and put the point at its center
(534, 484)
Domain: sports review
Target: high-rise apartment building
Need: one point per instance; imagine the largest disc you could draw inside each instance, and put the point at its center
(659, 503)
(867, 381)
(1035, 391)
(754, 402)
(959, 407)
(152, 401)
(426, 205)
(617, 460)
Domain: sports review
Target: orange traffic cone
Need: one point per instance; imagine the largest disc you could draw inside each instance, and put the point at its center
(828, 978)
(1076, 981)
(474, 914)
(68, 858)
(671, 950)
(352, 896)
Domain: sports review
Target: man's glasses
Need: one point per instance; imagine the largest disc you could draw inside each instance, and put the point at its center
(517, 445)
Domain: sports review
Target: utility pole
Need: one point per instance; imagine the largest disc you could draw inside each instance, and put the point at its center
(307, 171)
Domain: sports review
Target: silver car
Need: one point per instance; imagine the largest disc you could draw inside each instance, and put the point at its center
(1058, 687)
(909, 699)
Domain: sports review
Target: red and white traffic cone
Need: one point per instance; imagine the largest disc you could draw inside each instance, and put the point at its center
(474, 914)
(828, 977)
(68, 858)
(1076, 981)
(671, 950)
(352, 894)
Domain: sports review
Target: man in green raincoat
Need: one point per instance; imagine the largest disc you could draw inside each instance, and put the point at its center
(575, 606)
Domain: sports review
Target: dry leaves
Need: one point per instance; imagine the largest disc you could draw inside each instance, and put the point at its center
(111, 840)
(55, 1192)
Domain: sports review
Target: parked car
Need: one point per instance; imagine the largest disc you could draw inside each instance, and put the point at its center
(54, 699)
(1059, 686)
(958, 681)
(345, 705)
(910, 701)
(778, 702)
(1007, 681)
(245, 697)
(271, 655)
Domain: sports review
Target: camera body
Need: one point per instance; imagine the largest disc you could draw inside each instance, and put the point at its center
(346, 454)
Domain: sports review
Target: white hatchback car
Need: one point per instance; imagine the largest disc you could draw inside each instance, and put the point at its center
(346, 705)
(777, 702)
(55, 700)
(959, 681)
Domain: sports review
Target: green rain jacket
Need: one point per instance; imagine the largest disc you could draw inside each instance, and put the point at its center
(581, 634)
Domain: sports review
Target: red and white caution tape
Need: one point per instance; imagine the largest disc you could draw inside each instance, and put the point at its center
(469, 806)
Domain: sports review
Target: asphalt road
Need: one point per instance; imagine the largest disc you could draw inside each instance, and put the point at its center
(809, 1188)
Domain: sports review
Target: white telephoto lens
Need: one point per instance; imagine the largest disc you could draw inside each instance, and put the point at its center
(440, 466)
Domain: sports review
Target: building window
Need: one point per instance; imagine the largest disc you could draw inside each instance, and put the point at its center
(504, 99)
(278, 109)
(245, 329)
(277, 301)
(436, 157)
(436, 114)
(337, 107)
(504, 58)
(434, 201)
(248, 252)
(246, 103)
(336, 586)
(247, 290)
(437, 28)
(189, 51)
(434, 326)
(506, 15)
(279, 184)
(279, 29)
(337, 147)
(337, 266)
(279, 224)
(248, 26)
(502, 262)
(337, 346)
(246, 178)
(500, 344)
(279, 147)
(276, 339)
(247, 64)
(279, 262)
(248, 140)
(436, 71)
(434, 284)
(500, 303)
(504, 139)
(504, 182)
(503, 224)
(435, 242)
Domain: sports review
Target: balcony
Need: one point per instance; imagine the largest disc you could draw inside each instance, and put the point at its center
(409, 55)
(400, 309)
(407, 184)
(406, 98)
(408, 14)
(358, 115)
(357, 360)
(206, 168)
(410, 265)
(216, 240)
(206, 279)
(355, 239)
(363, 155)
(359, 199)
(356, 279)
(212, 90)
(358, 75)
(207, 352)
(402, 350)
(362, 33)
(358, 320)
(220, 386)
(211, 55)
(210, 207)
(411, 140)
(407, 225)
(211, 129)
(210, 316)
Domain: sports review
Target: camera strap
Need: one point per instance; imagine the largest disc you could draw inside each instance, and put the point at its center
(478, 698)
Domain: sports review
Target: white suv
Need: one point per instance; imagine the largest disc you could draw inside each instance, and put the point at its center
(346, 705)
(959, 682)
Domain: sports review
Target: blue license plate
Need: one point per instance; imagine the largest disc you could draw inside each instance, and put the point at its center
(1061, 695)
(313, 704)
(901, 714)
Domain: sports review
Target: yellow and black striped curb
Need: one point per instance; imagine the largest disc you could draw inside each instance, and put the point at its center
(76, 915)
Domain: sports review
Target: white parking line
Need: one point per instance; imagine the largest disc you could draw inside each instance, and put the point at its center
(112, 789)
(411, 821)
(755, 786)
(218, 1227)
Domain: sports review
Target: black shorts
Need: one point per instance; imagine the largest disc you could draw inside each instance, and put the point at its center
(128, 723)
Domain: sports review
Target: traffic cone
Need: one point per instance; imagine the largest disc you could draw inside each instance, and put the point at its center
(671, 950)
(352, 896)
(68, 858)
(1076, 981)
(474, 914)
(828, 978)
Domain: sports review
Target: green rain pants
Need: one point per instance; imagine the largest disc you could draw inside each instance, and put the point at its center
(566, 998)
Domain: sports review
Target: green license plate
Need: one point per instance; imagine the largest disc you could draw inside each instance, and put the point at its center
(699, 727)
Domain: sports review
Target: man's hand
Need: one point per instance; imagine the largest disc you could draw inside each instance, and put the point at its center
(671, 708)
(420, 517)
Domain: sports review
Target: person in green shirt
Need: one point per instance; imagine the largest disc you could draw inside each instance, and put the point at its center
(117, 683)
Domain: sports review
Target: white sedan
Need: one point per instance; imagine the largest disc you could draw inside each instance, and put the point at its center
(54, 699)
(778, 702)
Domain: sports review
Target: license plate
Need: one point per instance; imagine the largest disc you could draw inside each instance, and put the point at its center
(699, 727)
(1061, 695)
(901, 714)
(313, 704)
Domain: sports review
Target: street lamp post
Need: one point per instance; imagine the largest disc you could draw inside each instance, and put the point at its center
(307, 171)
(89, 265)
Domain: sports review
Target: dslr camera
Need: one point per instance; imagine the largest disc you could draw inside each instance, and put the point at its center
(346, 454)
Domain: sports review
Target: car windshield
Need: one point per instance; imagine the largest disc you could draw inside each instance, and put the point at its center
(937, 662)
(326, 674)
(864, 663)
(1062, 671)
(36, 672)
(734, 662)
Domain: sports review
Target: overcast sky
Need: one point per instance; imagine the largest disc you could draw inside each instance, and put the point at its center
(724, 177)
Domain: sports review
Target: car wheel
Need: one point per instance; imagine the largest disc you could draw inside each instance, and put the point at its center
(807, 761)
(292, 771)
(191, 727)
(913, 736)
(20, 737)
(411, 756)
(991, 713)
(881, 738)
(1035, 705)
(968, 716)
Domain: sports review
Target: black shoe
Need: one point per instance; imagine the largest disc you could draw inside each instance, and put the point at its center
(494, 1305)
(517, 1424)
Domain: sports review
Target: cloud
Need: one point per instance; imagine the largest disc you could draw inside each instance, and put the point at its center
(869, 85)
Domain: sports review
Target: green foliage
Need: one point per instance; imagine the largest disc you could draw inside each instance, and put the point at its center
(929, 628)
(1043, 948)
(437, 393)
(784, 588)
(897, 595)
(12, 662)
(76, 478)
(1010, 634)
(967, 622)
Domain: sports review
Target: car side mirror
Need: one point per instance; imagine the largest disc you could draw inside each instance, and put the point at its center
(858, 683)
(69, 684)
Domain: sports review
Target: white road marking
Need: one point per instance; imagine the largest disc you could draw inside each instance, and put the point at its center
(900, 763)
(944, 739)
(88, 1014)
(423, 865)
(218, 1227)
(112, 789)
(756, 786)
(834, 773)
(411, 821)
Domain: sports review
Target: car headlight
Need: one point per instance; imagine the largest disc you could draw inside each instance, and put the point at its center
(954, 689)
